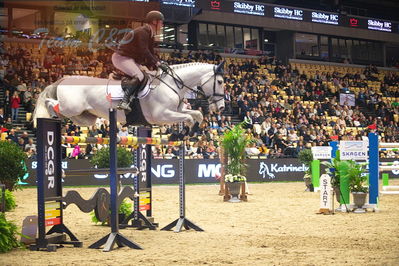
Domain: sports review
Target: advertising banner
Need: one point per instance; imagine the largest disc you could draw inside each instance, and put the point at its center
(288, 13)
(196, 171)
(321, 152)
(353, 150)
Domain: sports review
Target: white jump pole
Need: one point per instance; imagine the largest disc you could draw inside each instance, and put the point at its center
(388, 145)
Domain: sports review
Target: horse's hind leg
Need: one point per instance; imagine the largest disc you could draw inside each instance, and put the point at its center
(84, 119)
(52, 106)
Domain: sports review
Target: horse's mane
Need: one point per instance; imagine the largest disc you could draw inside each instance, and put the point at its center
(180, 66)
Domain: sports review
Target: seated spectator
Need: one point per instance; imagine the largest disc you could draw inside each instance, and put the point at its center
(263, 150)
(25, 137)
(157, 153)
(123, 132)
(75, 152)
(21, 144)
(2, 117)
(94, 131)
(30, 145)
(31, 153)
(210, 151)
(169, 154)
(280, 143)
(292, 136)
(251, 150)
(12, 136)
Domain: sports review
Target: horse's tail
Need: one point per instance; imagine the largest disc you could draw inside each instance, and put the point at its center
(41, 110)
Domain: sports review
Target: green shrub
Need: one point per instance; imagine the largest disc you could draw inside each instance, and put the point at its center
(357, 178)
(8, 232)
(12, 160)
(305, 156)
(125, 208)
(101, 158)
(335, 168)
(9, 199)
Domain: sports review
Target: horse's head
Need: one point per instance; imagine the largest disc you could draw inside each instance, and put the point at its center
(212, 85)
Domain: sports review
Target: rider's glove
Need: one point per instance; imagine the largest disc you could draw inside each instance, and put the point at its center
(163, 66)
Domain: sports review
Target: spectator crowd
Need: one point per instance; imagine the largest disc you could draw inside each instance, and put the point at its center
(284, 108)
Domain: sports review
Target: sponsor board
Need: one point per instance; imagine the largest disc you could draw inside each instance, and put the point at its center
(184, 3)
(353, 150)
(249, 8)
(288, 13)
(375, 24)
(326, 18)
(321, 152)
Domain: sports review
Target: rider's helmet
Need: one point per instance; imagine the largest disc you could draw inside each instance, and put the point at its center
(154, 15)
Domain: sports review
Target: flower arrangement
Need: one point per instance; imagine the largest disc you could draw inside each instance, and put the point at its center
(234, 178)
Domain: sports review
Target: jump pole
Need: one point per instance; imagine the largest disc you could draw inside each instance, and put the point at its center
(373, 170)
(182, 221)
(142, 157)
(49, 189)
(109, 240)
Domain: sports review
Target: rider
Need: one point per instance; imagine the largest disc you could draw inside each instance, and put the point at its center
(136, 49)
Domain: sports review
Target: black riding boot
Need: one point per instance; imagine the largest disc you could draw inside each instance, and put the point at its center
(129, 85)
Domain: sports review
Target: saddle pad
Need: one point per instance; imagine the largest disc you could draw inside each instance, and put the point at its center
(115, 89)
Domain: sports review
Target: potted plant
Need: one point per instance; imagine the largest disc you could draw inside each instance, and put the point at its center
(357, 180)
(12, 161)
(334, 168)
(233, 143)
(305, 156)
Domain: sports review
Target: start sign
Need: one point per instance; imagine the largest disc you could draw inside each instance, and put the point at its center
(325, 194)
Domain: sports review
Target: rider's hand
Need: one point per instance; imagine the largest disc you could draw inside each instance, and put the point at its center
(163, 66)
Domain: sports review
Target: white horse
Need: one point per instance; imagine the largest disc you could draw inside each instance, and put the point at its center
(84, 99)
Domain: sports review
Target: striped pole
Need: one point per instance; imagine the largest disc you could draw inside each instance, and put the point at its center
(388, 149)
(384, 168)
(390, 163)
(120, 140)
(388, 145)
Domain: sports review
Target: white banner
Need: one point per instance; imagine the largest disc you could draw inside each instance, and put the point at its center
(321, 152)
(353, 150)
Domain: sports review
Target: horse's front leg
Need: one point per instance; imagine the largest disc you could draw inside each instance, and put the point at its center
(196, 115)
(176, 117)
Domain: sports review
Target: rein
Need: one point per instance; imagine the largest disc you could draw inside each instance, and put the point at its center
(180, 84)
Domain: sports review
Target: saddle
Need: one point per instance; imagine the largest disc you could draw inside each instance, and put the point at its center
(127, 81)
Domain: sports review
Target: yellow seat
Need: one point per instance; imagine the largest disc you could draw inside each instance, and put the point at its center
(28, 116)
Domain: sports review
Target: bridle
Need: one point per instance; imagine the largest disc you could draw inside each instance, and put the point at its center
(198, 90)
(215, 94)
